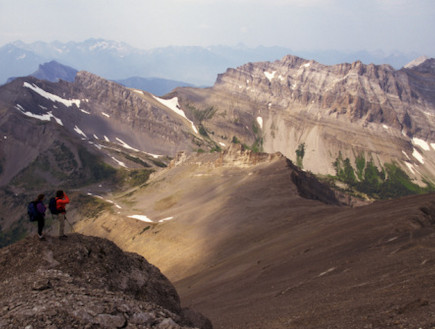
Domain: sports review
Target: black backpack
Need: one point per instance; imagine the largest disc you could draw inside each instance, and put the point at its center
(32, 211)
(52, 206)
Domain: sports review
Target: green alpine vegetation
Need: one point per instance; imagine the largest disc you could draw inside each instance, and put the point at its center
(300, 153)
(385, 183)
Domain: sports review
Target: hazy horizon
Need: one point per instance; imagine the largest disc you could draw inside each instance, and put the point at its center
(386, 26)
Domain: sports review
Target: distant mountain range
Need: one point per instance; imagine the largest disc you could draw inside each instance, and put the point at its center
(193, 65)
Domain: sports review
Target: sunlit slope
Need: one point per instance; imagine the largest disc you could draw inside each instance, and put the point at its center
(203, 209)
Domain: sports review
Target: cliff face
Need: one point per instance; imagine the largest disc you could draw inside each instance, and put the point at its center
(86, 282)
(373, 110)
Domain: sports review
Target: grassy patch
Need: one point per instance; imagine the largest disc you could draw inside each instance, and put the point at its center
(385, 183)
(137, 160)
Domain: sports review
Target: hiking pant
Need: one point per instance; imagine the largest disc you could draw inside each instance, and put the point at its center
(41, 223)
(61, 219)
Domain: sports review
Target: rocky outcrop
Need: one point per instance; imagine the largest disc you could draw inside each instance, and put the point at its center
(86, 282)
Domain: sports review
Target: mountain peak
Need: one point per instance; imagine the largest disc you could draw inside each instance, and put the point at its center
(54, 71)
(416, 62)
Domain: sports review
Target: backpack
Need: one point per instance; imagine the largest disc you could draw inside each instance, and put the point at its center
(52, 206)
(32, 211)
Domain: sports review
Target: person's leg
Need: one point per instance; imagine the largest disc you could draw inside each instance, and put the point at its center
(61, 218)
(41, 223)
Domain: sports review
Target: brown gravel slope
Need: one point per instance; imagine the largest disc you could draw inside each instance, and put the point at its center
(368, 267)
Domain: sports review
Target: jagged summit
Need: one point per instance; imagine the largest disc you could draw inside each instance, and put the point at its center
(85, 282)
(416, 62)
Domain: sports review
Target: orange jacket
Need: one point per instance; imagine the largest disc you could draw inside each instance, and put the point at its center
(60, 203)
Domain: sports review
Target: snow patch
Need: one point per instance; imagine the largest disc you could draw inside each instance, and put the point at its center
(260, 122)
(165, 219)
(105, 114)
(137, 91)
(173, 105)
(106, 139)
(222, 144)
(306, 65)
(385, 127)
(122, 164)
(432, 145)
(143, 218)
(86, 112)
(327, 271)
(422, 143)
(125, 145)
(95, 136)
(42, 117)
(410, 167)
(270, 76)
(52, 97)
(406, 155)
(79, 131)
(418, 156)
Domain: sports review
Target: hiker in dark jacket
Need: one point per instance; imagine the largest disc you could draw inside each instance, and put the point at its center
(40, 217)
(61, 200)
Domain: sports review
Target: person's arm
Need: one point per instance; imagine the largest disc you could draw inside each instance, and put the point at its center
(41, 208)
(65, 200)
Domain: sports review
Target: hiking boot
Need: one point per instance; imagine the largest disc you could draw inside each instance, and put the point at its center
(41, 237)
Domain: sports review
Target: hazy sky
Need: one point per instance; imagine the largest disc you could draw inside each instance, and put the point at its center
(349, 25)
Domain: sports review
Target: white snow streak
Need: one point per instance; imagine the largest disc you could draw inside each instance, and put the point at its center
(260, 122)
(423, 144)
(122, 164)
(52, 97)
(173, 105)
(106, 139)
(418, 156)
(165, 219)
(105, 114)
(410, 167)
(143, 218)
(42, 117)
(79, 131)
(125, 145)
(110, 201)
(328, 271)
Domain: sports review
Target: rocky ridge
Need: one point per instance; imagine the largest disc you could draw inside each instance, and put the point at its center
(373, 110)
(86, 282)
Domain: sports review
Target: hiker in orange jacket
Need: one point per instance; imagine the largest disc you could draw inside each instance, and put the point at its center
(61, 200)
